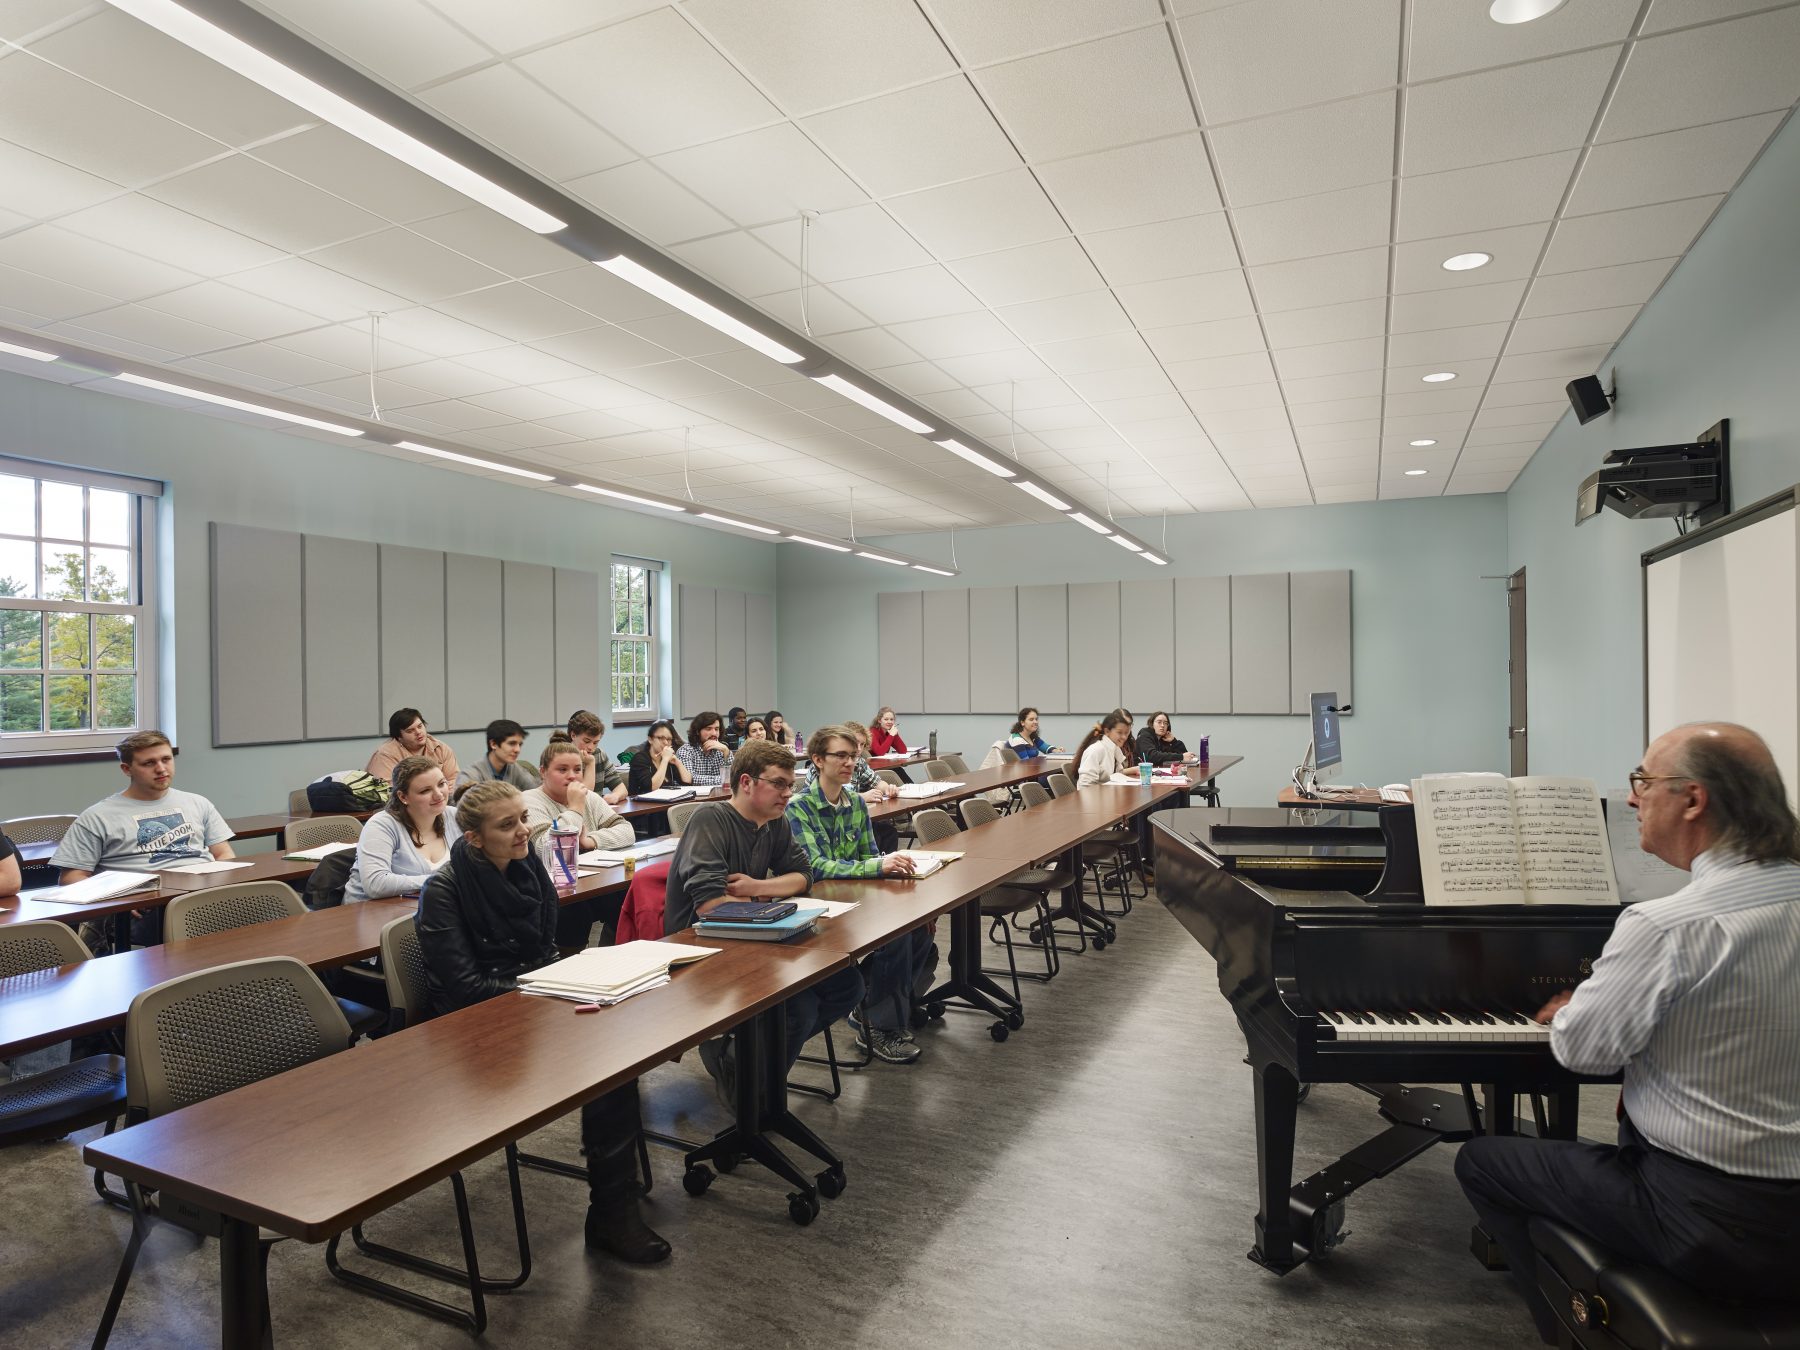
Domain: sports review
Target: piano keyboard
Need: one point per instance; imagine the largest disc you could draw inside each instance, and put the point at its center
(1485, 1028)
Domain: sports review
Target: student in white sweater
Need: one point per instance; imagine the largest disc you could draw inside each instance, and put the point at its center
(1102, 751)
(402, 846)
(565, 801)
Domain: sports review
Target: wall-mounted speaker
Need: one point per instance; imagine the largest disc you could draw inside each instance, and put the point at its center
(1588, 399)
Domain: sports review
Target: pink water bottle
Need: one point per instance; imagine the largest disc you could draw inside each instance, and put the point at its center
(799, 745)
(565, 852)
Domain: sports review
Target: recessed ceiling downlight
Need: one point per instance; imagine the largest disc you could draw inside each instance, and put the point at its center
(1421, 444)
(1438, 377)
(1417, 473)
(1522, 11)
(1467, 262)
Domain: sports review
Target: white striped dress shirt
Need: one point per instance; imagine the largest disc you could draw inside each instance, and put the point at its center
(1696, 998)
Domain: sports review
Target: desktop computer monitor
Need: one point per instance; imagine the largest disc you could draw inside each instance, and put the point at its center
(1328, 750)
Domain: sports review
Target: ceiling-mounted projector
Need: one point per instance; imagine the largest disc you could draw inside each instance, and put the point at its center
(1690, 483)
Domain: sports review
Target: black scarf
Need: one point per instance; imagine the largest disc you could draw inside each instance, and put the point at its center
(506, 909)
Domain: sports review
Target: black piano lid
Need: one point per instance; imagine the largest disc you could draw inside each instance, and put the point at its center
(1274, 832)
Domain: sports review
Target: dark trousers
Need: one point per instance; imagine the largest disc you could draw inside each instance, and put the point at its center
(812, 1010)
(1731, 1236)
(575, 922)
(609, 1132)
(891, 973)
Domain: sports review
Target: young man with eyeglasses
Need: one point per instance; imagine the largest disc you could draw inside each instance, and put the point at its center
(742, 849)
(832, 824)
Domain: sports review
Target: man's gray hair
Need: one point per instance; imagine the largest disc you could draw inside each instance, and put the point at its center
(1746, 799)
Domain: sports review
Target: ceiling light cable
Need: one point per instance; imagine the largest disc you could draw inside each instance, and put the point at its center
(806, 220)
(375, 319)
(688, 483)
(853, 515)
(1012, 418)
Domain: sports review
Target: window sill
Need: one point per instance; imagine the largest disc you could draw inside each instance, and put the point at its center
(22, 759)
(635, 720)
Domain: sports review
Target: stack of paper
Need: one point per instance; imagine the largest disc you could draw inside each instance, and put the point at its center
(674, 794)
(650, 848)
(194, 868)
(92, 890)
(926, 861)
(316, 854)
(927, 789)
(608, 975)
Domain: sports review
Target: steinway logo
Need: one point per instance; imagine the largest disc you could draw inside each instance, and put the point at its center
(1585, 969)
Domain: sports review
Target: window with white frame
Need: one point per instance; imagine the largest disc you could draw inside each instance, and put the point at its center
(77, 634)
(633, 641)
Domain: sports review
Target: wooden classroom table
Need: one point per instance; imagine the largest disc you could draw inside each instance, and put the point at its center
(1349, 799)
(887, 908)
(632, 807)
(901, 763)
(974, 782)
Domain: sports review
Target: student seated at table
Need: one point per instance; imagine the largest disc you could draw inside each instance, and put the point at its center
(148, 825)
(1024, 740)
(884, 734)
(704, 756)
(779, 731)
(407, 736)
(755, 729)
(563, 801)
(655, 765)
(505, 739)
(743, 849)
(1102, 751)
(598, 772)
(11, 874)
(865, 784)
(402, 845)
(831, 823)
(488, 916)
(1158, 743)
(737, 727)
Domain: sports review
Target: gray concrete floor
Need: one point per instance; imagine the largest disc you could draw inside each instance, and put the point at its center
(1089, 1182)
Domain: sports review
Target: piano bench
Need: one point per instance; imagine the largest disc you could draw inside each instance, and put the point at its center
(1605, 1303)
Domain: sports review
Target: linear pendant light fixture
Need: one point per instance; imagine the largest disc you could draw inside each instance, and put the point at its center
(857, 394)
(980, 461)
(436, 453)
(1082, 518)
(29, 353)
(821, 543)
(1049, 499)
(669, 293)
(252, 63)
(740, 524)
(203, 396)
(627, 497)
(882, 557)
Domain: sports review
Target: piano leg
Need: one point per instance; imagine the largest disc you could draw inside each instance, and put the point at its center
(1277, 1096)
(1502, 1107)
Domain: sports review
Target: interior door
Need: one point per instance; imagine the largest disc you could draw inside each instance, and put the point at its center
(1515, 669)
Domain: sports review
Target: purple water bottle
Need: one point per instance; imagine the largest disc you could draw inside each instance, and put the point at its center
(565, 852)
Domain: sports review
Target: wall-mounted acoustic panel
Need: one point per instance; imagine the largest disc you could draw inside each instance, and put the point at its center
(412, 633)
(1319, 636)
(696, 659)
(759, 651)
(1147, 638)
(581, 680)
(728, 649)
(994, 650)
(1044, 648)
(1202, 628)
(1094, 646)
(530, 655)
(474, 674)
(342, 639)
(946, 649)
(256, 636)
(1260, 676)
(900, 623)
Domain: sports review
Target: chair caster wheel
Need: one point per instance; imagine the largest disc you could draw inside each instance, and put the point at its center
(726, 1162)
(696, 1179)
(1015, 1020)
(935, 1011)
(998, 1031)
(1036, 938)
(803, 1209)
(1099, 943)
(917, 1019)
(831, 1182)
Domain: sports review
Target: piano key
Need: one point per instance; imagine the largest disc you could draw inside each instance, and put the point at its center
(1472, 1027)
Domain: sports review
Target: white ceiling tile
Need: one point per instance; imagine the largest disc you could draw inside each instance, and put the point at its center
(1252, 59)
(445, 379)
(1333, 222)
(852, 243)
(1233, 398)
(601, 294)
(1111, 91)
(1464, 484)
(1165, 249)
(1430, 408)
(598, 349)
(1354, 437)
(983, 31)
(1419, 266)
(1487, 197)
(339, 163)
(1510, 113)
(981, 215)
(870, 347)
(1446, 344)
(1122, 382)
(1355, 384)
(765, 175)
(1134, 185)
(1202, 341)
(153, 230)
(1590, 328)
(1312, 150)
(260, 201)
(1222, 371)
(1731, 69)
(1115, 351)
(1637, 235)
(1213, 295)
(1503, 434)
(1667, 14)
(950, 135)
(1600, 288)
(47, 299)
(954, 335)
(510, 28)
(55, 113)
(521, 118)
(1515, 392)
(517, 311)
(39, 187)
(824, 313)
(226, 307)
(682, 335)
(653, 82)
(1564, 363)
(911, 293)
(1248, 419)
(1035, 272)
(1017, 365)
(739, 262)
(811, 54)
(55, 253)
(1329, 280)
(496, 242)
(1419, 311)
(1067, 316)
(1327, 323)
(405, 40)
(1452, 39)
(407, 265)
(153, 328)
(1329, 358)
(648, 202)
(1688, 163)
(1333, 412)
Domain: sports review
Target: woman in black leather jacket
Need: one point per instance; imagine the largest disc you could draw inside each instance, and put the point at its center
(486, 917)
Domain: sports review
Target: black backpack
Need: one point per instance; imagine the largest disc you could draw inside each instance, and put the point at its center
(347, 793)
(325, 887)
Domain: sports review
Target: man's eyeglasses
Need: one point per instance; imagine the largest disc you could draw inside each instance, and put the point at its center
(785, 786)
(839, 754)
(1640, 780)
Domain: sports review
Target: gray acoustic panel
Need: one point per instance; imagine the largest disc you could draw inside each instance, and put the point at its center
(1319, 636)
(530, 644)
(759, 651)
(900, 625)
(728, 649)
(1147, 637)
(1094, 646)
(581, 670)
(1044, 648)
(1260, 675)
(994, 649)
(474, 677)
(256, 636)
(1202, 644)
(412, 633)
(342, 639)
(695, 658)
(946, 673)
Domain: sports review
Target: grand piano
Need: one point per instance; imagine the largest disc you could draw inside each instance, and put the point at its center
(1338, 973)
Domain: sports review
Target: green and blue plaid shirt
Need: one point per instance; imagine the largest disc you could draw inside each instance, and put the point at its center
(839, 841)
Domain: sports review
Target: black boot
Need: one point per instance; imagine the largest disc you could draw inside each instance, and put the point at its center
(609, 1137)
(621, 1231)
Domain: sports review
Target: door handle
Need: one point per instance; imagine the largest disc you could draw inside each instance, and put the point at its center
(1515, 731)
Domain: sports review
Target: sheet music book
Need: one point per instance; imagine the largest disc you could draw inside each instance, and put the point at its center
(1642, 876)
(91, 890)
(1488, 840)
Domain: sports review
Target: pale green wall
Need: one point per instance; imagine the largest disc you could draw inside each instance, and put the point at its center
(1429, 638)
(1721, 339)
(219, 470)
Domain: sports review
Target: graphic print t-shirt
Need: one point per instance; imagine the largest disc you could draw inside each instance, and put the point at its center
(121, 832)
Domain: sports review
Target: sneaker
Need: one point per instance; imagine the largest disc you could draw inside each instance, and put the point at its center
(622, 1232)
(719, 1057)
(887, 1046)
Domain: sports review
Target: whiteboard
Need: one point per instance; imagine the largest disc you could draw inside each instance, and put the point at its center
(1721, 633)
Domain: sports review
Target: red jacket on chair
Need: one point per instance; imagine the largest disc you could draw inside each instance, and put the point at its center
(641, 916)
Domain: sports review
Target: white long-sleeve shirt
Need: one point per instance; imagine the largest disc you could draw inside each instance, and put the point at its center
(595, 818)
(387, 860)
(1099, 762)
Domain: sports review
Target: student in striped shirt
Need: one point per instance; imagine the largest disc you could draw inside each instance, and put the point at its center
(1695, 1003)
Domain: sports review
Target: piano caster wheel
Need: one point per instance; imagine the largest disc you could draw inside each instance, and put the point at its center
(1301, 1095)
(726, 1162)
(935, 1011)
(831, 1182)
(998, 1031)
(696, 1179)
(803, 1209)
(1015, 1020)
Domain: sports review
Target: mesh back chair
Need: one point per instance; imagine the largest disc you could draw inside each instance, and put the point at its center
(1061, 785)
(36, 829)
(316, 830)
(979, 811)
(940, 769)
(956, 762)
(1033, 794)
(197, 1036)
(889, 776)
(219, 909)
(679, 813)
(1008, 755)
(902, 824)
(1042, 882)
(298, 802)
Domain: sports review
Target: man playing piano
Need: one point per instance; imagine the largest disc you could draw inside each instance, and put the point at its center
(1696, 1002)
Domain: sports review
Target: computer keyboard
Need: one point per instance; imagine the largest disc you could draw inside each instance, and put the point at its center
(1394, 794)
